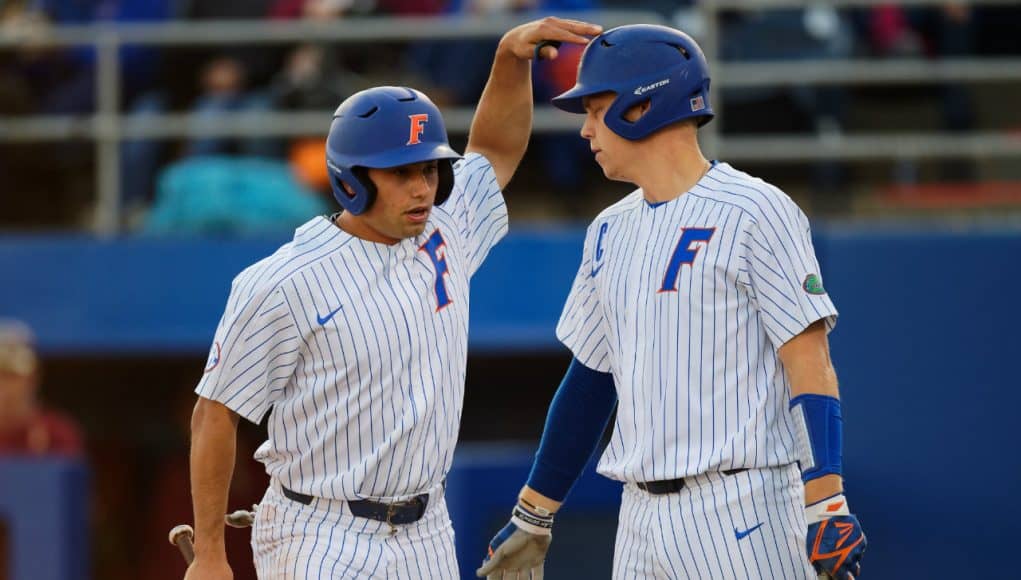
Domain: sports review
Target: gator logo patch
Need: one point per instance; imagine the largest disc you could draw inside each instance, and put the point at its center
(813, 285)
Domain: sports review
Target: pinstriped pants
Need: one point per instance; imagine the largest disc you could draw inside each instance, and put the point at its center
(293, 541)
(747, 525)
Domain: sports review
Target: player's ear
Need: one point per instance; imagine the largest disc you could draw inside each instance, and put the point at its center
(637, 111)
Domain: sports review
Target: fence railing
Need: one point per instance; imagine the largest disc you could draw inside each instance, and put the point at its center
(107, 127)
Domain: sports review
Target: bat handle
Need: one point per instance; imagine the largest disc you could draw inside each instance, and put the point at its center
(241, 518)
(537, 55)
(182, 536)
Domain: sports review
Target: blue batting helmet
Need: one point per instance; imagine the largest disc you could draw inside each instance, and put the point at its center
(384, 127)
(643, 62)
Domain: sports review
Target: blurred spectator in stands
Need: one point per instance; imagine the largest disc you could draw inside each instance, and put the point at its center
(935, 32)
(16, 97)
(230, 78)
(63, 79)
(312, 77)
(232, 195)
(308, 77)
(20, 164)
(39, 78)
(27, 428)
(818, 33)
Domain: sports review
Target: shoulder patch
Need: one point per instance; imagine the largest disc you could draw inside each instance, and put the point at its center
(214, 357)
(813, 285)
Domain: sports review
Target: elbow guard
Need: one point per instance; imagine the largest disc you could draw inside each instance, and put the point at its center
(819, 433)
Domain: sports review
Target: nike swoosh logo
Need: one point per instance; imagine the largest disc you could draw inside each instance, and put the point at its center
(741, 534)
(324, 319)
(597, 269)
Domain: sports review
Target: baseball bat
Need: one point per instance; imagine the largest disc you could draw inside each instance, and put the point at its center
(182, 536)
(241, 518)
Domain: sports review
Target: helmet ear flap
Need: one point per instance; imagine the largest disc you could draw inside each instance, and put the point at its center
(356, 178)
(445, 167)
(614, 117)
(668, 104)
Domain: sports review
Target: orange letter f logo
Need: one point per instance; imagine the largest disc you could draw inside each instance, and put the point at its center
(417, 127)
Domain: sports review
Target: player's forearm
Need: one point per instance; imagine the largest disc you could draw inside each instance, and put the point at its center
(818, 379)
(822, 488)
(213, 448)
(503, 118)
(539, 500)
(577, 418)
(806, 359)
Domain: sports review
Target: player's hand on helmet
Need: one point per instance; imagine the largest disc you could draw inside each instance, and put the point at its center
(550, 31)
(518, 551)
(835, 541)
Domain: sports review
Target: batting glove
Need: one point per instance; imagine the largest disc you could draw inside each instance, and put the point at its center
(519, 549)
(836, 541)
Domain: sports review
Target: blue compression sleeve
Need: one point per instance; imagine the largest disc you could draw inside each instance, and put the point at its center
(574, 425)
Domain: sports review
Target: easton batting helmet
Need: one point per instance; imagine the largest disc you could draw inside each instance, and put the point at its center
(384, 127)
(643, 62)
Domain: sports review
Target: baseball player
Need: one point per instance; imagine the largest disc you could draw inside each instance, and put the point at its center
(353, 337)
(699, 312)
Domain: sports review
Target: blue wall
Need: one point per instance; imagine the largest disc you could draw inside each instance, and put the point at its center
(44, 506)
(927, 350)
(83, 295)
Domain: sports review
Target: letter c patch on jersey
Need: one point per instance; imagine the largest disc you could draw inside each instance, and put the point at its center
(597, 258)
(417, 128)
(432, 247)
(684, 254)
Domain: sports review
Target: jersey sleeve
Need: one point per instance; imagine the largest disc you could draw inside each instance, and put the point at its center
(476, 204)
(253, 355)
(784, 273)
(582, 327)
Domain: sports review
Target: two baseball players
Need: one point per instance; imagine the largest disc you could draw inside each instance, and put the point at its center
(699, 313)
(353, 338)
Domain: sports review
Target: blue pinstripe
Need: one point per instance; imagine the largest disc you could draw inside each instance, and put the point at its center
(624, 535)
(697, 532)
(729, 559)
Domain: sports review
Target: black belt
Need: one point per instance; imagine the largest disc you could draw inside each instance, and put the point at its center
(402, 512)
(674, 485)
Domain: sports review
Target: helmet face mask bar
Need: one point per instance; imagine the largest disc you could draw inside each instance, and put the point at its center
(643, 63)
(380, 128)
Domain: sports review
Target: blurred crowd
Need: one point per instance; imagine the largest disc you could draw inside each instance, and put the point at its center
(28, 428)
(239, 185)
(139, 483)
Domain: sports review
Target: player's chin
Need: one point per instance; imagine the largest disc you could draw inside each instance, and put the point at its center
(609, 171)
(413, 229)
(615, 175)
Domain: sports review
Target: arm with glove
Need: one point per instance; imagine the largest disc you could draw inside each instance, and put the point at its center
(835, 541)
(575, 423)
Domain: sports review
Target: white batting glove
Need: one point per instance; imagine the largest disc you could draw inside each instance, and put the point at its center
(518, 551)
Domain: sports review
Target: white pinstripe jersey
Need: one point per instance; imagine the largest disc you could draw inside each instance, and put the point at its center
(686, 303)
(359, 347)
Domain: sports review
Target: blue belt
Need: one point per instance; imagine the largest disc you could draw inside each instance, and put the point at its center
(401, 512)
